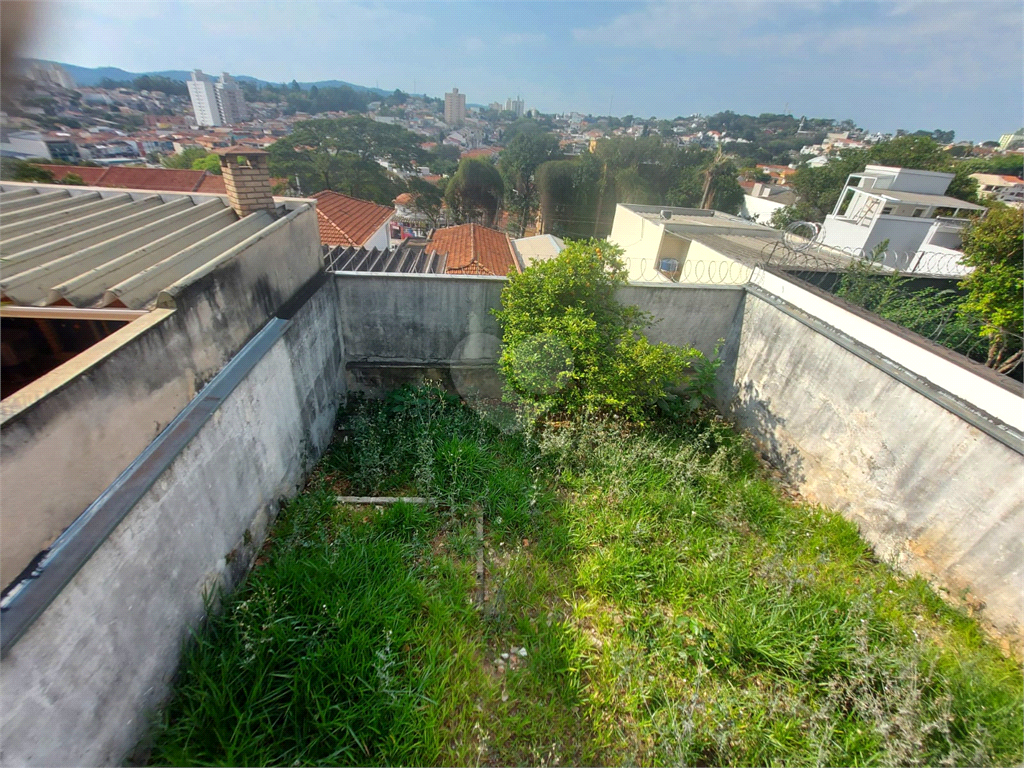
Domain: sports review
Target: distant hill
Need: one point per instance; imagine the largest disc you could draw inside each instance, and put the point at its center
(91, 76)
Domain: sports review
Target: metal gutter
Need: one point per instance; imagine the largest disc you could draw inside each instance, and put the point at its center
(30, 595)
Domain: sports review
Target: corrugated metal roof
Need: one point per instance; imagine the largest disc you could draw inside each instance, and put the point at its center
(61, 246)
(409, 258)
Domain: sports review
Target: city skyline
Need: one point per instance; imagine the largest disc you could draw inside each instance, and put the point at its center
(886, 66)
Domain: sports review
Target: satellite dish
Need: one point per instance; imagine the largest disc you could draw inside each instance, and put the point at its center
(666, 215)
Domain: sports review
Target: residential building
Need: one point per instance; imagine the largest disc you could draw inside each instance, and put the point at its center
(515, 105)
(1011, 140)
(25, 144)
(663, 243)
(1007, 189)
(455, 107)
(217, 103)
(230, 100)
(906, 208)
(762, 200)
(349, 221)
(472, 249)
(204, 99)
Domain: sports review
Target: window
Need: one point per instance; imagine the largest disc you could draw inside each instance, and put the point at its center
(887, 210)
(918, 213)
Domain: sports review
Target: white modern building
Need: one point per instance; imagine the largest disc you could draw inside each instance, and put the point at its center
(906, 207)
(765, 199)
(217, 103)
(455, 107)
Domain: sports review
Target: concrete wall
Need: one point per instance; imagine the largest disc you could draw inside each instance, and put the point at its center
(931, 492)
(74, 430)
(405, 328)
(80, 686)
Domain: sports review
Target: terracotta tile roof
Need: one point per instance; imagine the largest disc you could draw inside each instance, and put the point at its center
(89, 174)
(212, 184)
(348, 220)
(156, 179)
(475, 250)
(481, 152)
(152, 178)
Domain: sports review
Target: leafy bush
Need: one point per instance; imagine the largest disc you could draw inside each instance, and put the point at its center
(569, 346)
(994, 246)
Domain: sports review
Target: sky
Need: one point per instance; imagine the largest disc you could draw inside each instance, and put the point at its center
(886, 65)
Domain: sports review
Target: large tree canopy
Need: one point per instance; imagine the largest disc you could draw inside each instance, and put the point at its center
(342, 155)
(518, 164)
(475, 192)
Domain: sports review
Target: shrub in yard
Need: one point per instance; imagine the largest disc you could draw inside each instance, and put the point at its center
(569, 346)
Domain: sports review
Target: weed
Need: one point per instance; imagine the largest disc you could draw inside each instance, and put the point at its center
(671, 606)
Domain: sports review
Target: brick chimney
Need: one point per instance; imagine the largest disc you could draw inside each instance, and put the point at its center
(247, 179)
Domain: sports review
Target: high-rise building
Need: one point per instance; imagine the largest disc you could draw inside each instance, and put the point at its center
(204, 99)
(516, 105)
(455, 107)
(217, 103)
(230, 100)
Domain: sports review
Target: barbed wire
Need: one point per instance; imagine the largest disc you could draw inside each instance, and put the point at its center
(919, 291)
(802, 245)
(688, 271)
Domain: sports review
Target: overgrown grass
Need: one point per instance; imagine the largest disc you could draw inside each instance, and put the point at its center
(673, 606)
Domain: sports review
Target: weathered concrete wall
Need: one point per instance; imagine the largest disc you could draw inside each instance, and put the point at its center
(76, 429)
(402, 328)
(932, 493)
(80, 685)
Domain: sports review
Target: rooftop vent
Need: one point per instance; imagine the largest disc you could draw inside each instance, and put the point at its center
(666, 214)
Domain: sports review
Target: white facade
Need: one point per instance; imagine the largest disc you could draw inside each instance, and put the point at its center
(455, 107)
(217, 103)
(906, 207)
(204, 100)
(516, 105)
(764, 200)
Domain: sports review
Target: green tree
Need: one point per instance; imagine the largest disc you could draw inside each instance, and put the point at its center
(184, 159)
(443, 159)
(19, 170)
(475, 192)
(994, 246)
(518, 164)
(343, 154)
(570, 347)
(569, 193)
(427, 199)
(209, 163)
(73, 180)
